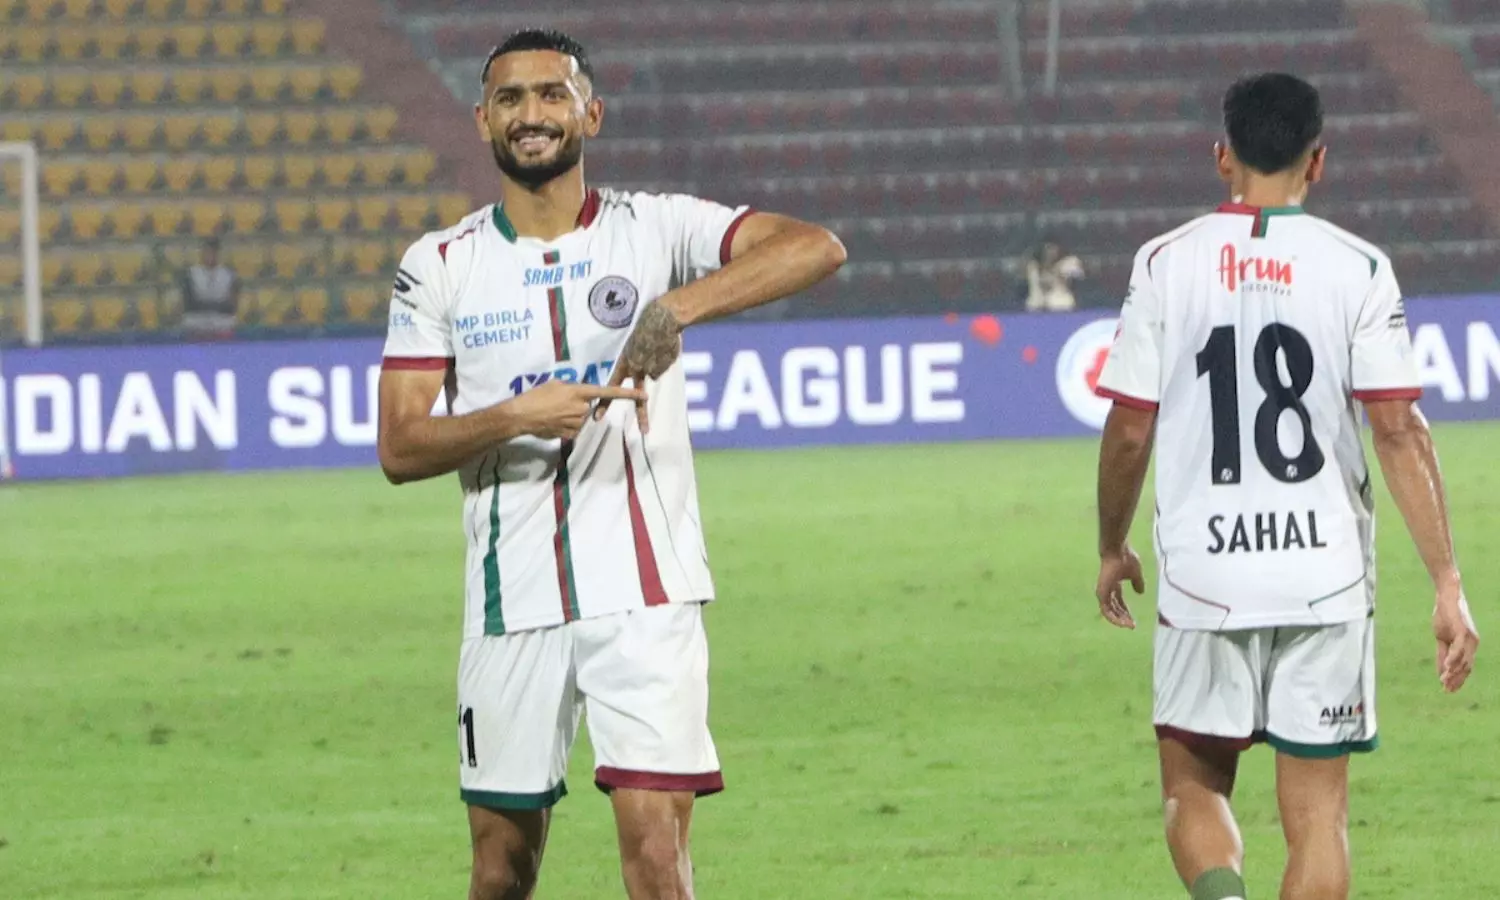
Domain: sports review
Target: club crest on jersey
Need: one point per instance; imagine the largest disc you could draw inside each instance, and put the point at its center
(613, 301)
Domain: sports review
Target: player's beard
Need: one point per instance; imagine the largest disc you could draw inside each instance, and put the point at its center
(534, 175)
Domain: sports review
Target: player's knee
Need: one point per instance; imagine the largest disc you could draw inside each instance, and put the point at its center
(660, 859)
(503, 878)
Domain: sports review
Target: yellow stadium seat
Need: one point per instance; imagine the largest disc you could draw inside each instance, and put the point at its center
(272, 7)
(312, 305)
(262, 128)
(344, 81)
(12, 180)
(99, 177)
(180, 131)
(141, 175)
(228, 38)
(413, 211)
(86, 222)
(126, 265)
(189, 40)
(78, 10)
(207, 218)
(418, 167)
(107, 312)
(10, 226)
(69, 88)
(64, 314)
(369, 258)
(150, 41)
(147, 85)
(307, 37)
(10, 271)
(306, 84)
(219, 130)
(266, 38)
(58, 133)
(260, 172)
(227, 84)
(301, 126)
(38, 10)
(30, 45)
(248, 216)
(140, 132)
(219, 173)
(12, 129)
(372, 212)
(73, 43)
(189, 85)
(360, 302)
(108, 88)
(147, 314)
(297, 171)
(58, 178)
(292, 214)
(234, 7)
(267, 84)
(340, 125)
(333, 213)
(127, 219)
(338, 171)
(51, 220)
(452, 207)
(167, 218)
(197, 9)
(247, 260)
(272, 305)
(180, 174)
(54, 268)
(379, 167)
(290, 261)
(380, 122)
(27, 89)
(111, 42)
(88, 268)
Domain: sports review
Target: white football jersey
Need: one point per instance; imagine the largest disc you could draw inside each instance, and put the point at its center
(1256, 331)
(559, 531)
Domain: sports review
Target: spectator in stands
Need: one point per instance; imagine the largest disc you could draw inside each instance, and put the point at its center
(1048, 273)
(210, 296)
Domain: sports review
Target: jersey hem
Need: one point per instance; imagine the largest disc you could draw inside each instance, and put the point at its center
(505, 800)
(1402, 393)
(1322, 751)
(1269, 620)
(415, 363)
(1127, 400)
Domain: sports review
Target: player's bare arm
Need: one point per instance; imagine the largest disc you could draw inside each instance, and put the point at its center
(1124, 454)
(1403, 444)
(414, 444)
(771, 257)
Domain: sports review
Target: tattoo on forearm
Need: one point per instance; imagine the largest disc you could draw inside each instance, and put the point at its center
(654, 344)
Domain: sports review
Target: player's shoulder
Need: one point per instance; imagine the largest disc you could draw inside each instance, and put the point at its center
(432, 247)
(648, 204)
(1152, 247)
(1338, 242)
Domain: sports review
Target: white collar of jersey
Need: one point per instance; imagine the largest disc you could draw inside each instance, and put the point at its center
(586, 215)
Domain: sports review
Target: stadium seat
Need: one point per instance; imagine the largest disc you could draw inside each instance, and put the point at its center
(29, 45)
(28, 90)
(150, 41)
(219, 130)
(106, 312)
(54, 270)
(260, 172)
(69, 88)
(297, 172)
(10, 271)
(418, 167)
(207, 218)
(179, 175)
(58, 179)
(219, 173)
(312, 305)
(148, 85)
(270, 305)
(452, 208)
(10, 225)
(361, 302)
(226, 84)
(87, 269)
(248, 216)
(110, 43)
(340, 125)
(267, 84)
(77, 10)
(413, 211)
(290, 261)
(167, 218)
(127, 219)
(139, 132)
(266, 38)
(343, 81)
(247, 260)
(307, 37)
(86, 222)
(306, 84)
(262, 128)
(141, 175)
(73, 43)
(180, 131)
(338, 171)
(64, 314)
(228, 38)
(189, 40)
(59, 133)
(368, 258)
(300, 127)
(333, 213)
(292, 215)
(126, 265)
(189, 85)
(147, 312)
(379, 168)
(372, 213)
(109, 87)
(380, 122)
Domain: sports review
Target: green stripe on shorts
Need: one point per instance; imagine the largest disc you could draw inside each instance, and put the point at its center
(1322, 751)
(498, 800)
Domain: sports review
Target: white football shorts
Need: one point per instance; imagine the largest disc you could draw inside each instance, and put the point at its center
(1308, 691)
(639, 676)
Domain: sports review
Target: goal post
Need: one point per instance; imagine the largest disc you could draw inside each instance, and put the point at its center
(24, 153)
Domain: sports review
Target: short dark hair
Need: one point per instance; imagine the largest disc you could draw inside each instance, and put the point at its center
(539, 39)
(1272, 119)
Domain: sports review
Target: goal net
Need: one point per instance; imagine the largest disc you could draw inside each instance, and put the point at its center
(20, 270)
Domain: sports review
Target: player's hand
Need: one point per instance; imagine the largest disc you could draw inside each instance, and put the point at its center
(1457, 638)
(1114, 570)
(649, 352)
(558, 409)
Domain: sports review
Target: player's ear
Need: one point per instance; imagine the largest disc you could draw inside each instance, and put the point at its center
(593, 117)
(1223, 162)
(482, 122)
(1316, 164)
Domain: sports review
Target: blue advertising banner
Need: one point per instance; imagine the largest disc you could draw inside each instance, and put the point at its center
(114, 411)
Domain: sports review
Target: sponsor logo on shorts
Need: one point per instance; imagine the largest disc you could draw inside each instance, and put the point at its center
(1334, 716)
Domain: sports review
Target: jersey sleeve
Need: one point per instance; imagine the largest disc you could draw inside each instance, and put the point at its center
(1381, 363)
(419, 334)
(701, 233)
(1132, 372)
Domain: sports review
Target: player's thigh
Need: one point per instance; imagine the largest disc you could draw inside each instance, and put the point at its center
(1321, 691)
(1208, 687)
(1313, 797)
(518, 714)
(643, 675)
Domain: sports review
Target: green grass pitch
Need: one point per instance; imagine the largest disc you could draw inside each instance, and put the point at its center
(242, 687)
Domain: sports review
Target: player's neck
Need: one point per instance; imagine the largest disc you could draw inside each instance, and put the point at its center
(547, 212)
(1269, 192)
